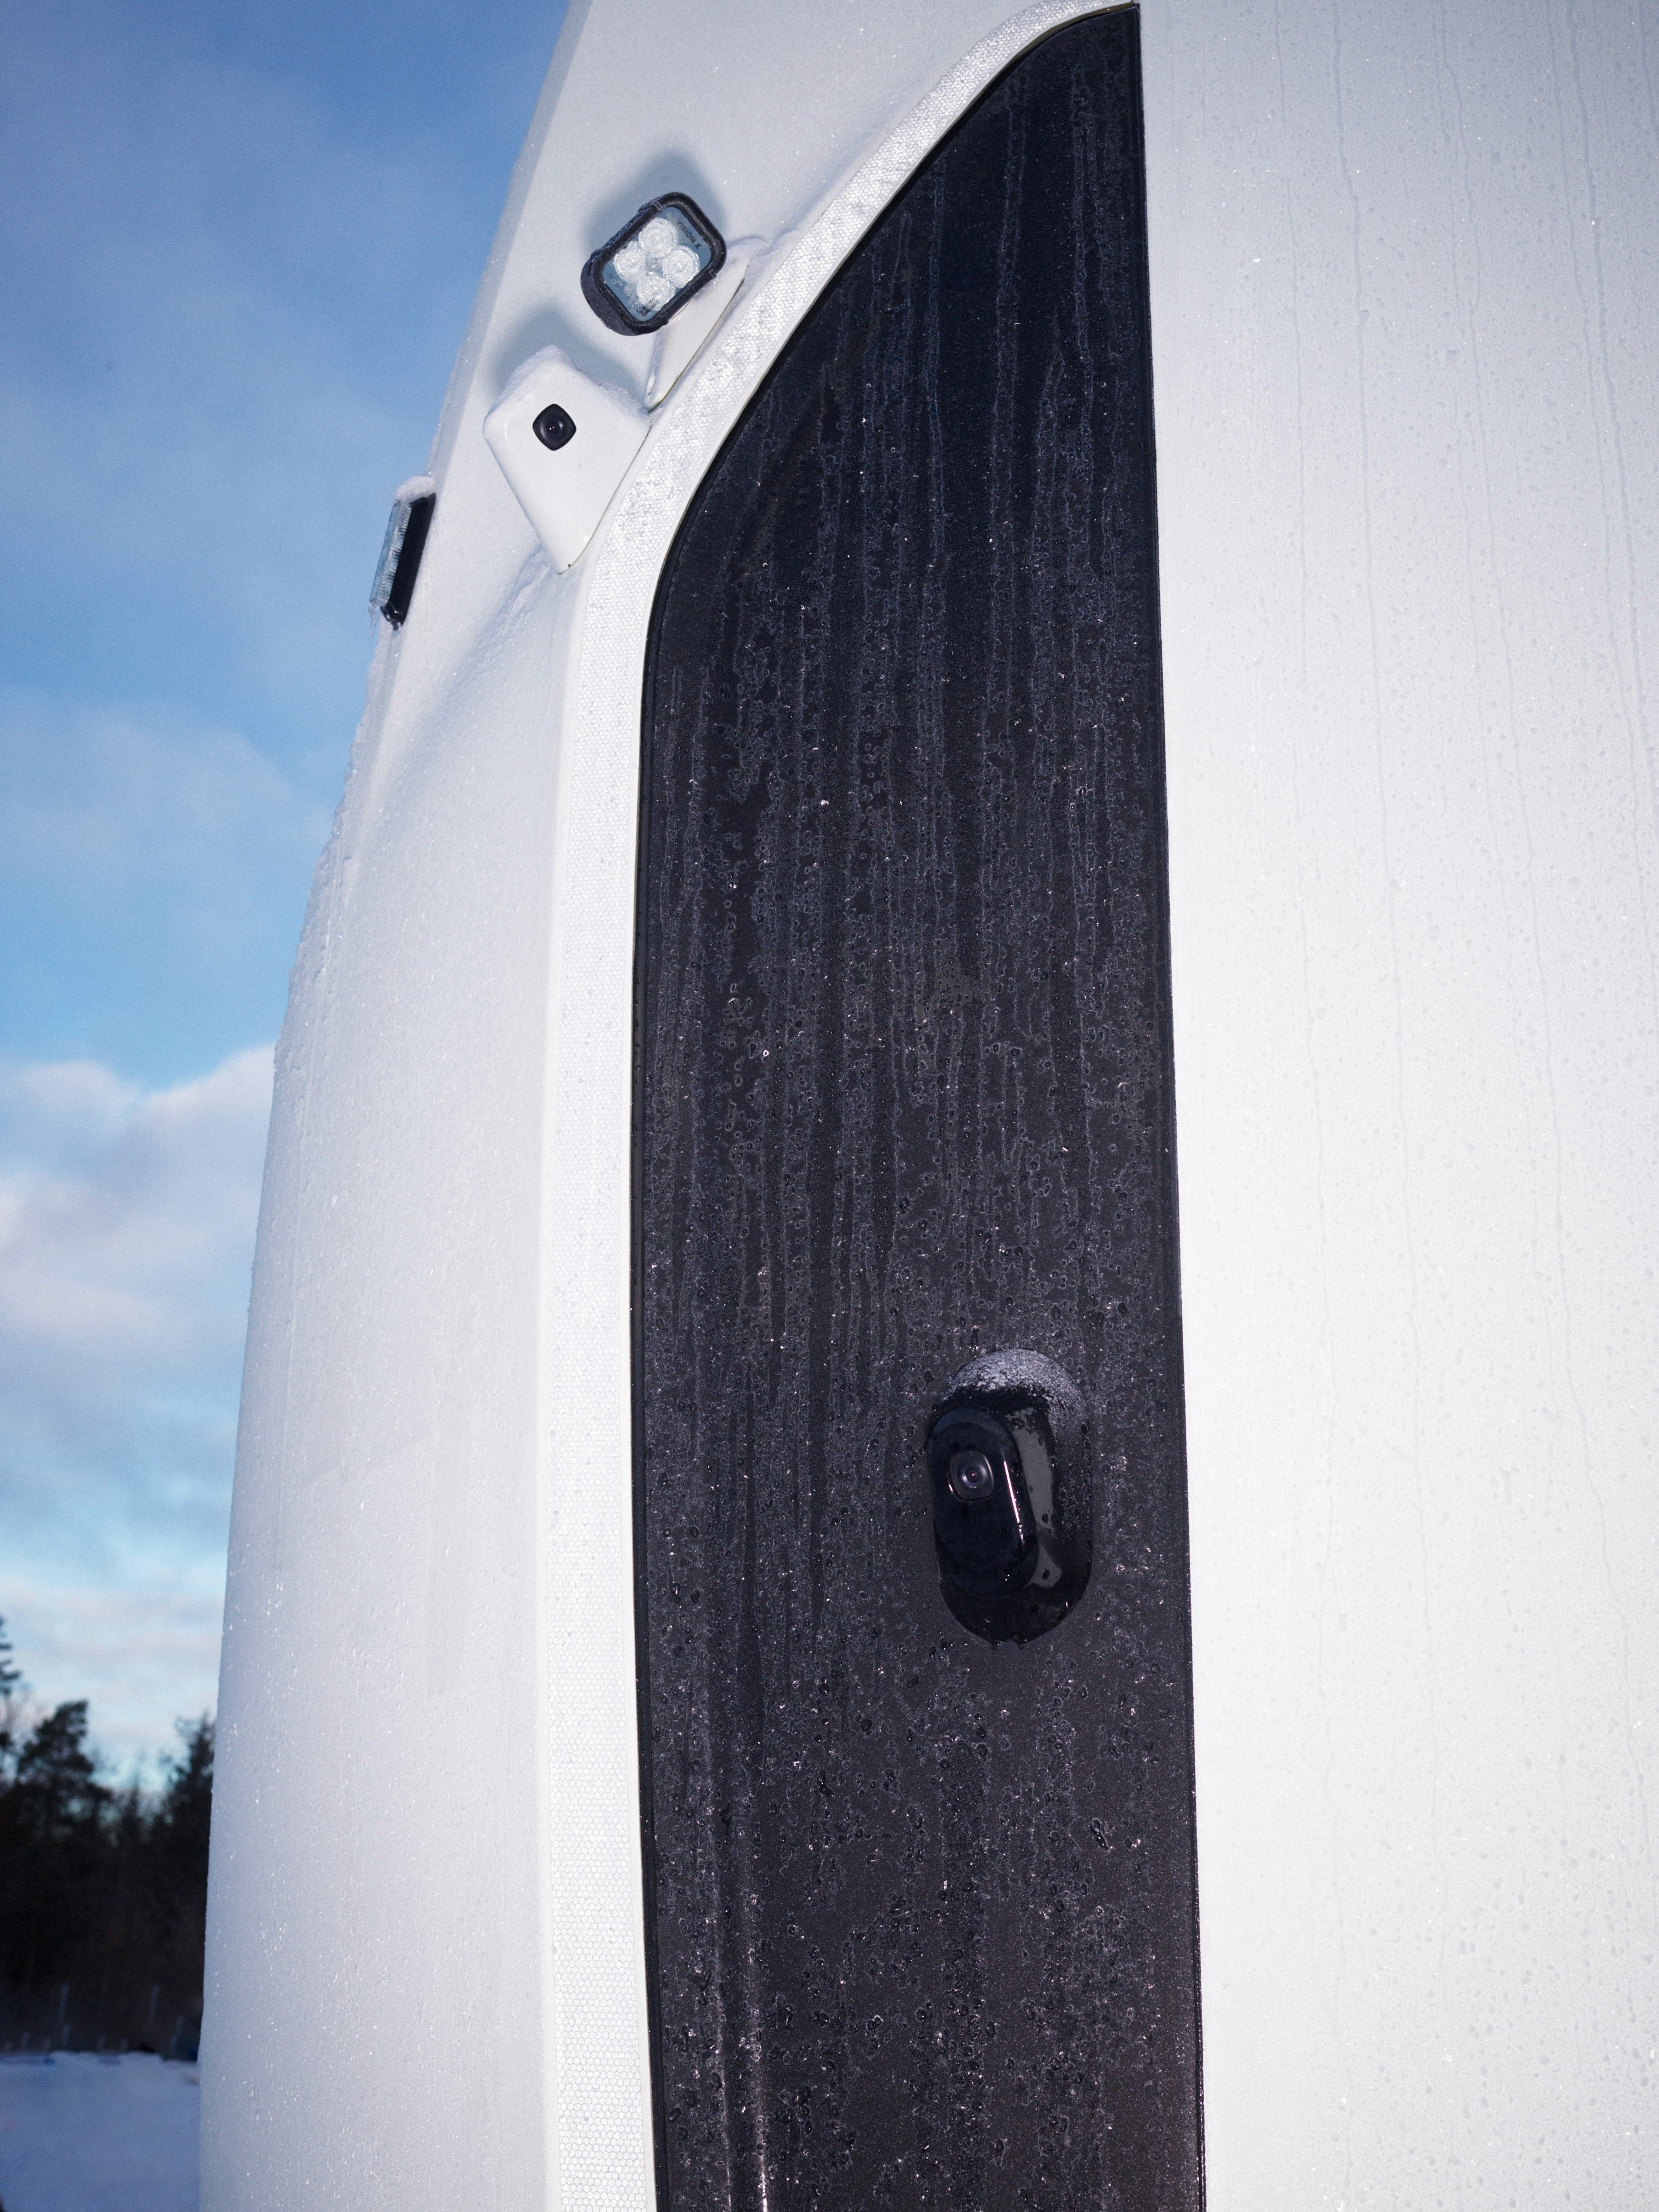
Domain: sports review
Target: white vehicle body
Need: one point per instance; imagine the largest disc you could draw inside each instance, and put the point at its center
(1405, 289)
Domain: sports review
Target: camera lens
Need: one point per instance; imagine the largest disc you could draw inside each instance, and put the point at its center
(971, 1477)
(554, 428)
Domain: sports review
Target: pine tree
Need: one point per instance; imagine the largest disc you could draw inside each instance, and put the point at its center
(11, 1694)
(103, 1895)
(51, 1846)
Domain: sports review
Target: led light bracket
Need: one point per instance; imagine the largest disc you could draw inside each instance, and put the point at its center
(655, 263)
(678, 344)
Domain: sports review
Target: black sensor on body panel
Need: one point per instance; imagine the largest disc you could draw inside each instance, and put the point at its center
(1013, 1506)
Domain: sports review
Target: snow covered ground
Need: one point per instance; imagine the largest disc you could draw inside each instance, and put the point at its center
(80, 2134)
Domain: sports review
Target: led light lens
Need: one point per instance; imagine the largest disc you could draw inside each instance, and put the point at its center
(400, 554)
(637, 281)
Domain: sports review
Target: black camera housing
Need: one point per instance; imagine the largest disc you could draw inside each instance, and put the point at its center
(1010, 1465)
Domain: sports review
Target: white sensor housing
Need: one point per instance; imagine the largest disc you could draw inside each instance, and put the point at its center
(564, 489)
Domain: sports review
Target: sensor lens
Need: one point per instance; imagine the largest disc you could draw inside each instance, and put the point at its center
(554, 428)
(970, 1478)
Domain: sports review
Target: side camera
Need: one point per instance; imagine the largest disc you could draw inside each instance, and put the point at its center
(1013, 1508)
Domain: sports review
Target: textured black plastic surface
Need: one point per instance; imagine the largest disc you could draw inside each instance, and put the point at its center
(923, 1910)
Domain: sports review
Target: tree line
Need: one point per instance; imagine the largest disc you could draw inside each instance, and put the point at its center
(103, 1891)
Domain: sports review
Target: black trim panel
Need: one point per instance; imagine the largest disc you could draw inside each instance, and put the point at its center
(922, 1907)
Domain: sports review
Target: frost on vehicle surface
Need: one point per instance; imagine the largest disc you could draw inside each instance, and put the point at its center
(1402, 297)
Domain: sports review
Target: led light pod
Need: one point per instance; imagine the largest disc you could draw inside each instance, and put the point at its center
(412, 504)
(653, 266)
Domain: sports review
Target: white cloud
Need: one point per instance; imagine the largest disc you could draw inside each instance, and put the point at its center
(122, 798)
(142, 1658)
(126, 1219)
(126, 1235)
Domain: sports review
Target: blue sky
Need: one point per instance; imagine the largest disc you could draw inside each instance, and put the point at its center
(239, 245)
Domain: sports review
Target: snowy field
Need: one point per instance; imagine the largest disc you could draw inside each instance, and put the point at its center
(79, 2134)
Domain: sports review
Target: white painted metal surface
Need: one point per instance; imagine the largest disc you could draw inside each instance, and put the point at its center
(1404, 302)
(1405, 327)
